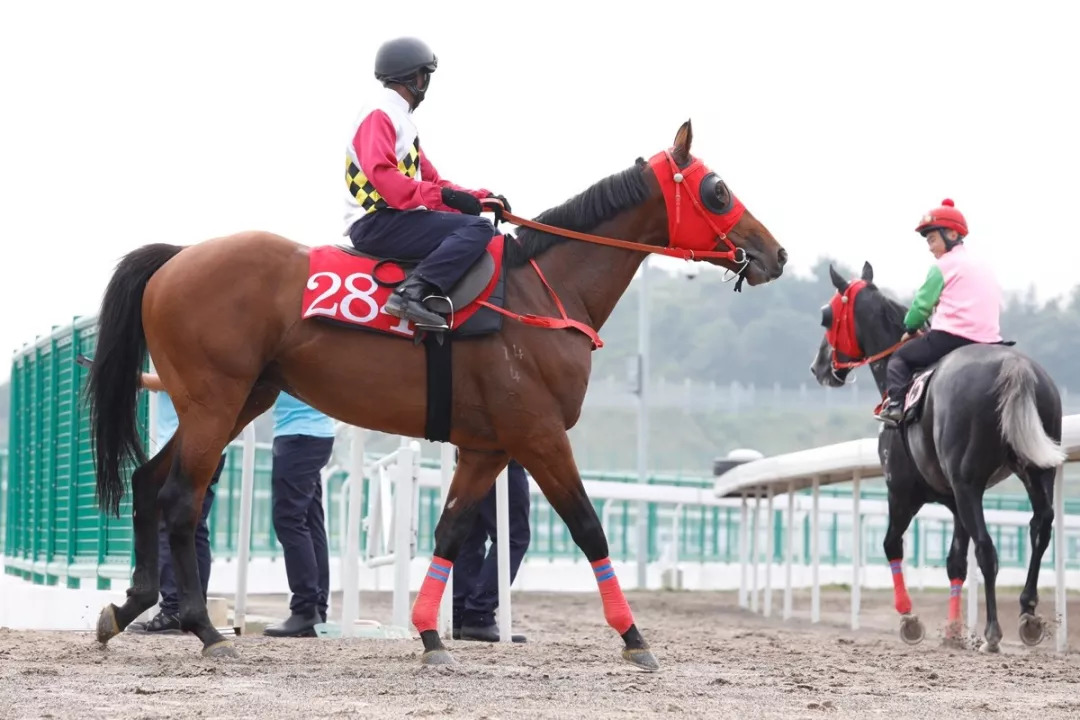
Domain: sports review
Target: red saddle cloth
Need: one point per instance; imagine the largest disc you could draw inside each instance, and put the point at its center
(353, 290)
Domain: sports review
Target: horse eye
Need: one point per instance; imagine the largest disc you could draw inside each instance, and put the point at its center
(826, 317)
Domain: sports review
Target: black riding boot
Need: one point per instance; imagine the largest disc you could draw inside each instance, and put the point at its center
(407, 301)
(892, 412)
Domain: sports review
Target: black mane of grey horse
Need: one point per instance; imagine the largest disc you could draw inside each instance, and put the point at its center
(989, 411)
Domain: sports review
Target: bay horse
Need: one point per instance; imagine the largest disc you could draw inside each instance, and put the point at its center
(221, 321)
(987, 411)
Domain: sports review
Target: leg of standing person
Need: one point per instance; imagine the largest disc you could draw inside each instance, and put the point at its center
(478, 614)
(297, 478)
(316, 523)
(466, 570)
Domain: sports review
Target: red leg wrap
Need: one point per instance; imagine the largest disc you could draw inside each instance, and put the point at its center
(425, 613)
(616, 609)
(955, 588)
(900, 593)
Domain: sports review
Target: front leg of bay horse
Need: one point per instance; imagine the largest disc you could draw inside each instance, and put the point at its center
(551, 463)
(473, 477)
(146, 482)
(903, 505)
(957, 567)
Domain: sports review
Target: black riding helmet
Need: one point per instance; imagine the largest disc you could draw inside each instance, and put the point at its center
(398, 61)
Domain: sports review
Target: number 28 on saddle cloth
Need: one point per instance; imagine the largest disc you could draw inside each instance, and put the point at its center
(350, 288)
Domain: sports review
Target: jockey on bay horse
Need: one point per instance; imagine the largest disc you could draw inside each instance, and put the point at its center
(396, 204)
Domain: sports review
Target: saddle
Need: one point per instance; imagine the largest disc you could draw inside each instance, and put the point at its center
(467, 289)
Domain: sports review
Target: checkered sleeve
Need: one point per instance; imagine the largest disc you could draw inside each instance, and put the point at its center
(433, 175)
(374, 144)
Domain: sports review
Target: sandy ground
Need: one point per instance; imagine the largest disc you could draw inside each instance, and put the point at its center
(716, 661)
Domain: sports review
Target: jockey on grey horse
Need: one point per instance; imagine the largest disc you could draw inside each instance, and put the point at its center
(961, 292)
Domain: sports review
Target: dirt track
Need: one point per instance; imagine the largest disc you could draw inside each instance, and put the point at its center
(716, 662)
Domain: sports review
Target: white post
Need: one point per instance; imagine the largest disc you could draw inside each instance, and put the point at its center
(446, 607)
(1060, 594)
(815, 553)
(754, 551)
(789, 555)
(502, 527)
(404, 486)
(770, 542)
(350, 554)
(920, 553)
(243, 540)
(744, 550)
(856, 551)
(642, 531)
(972, 587)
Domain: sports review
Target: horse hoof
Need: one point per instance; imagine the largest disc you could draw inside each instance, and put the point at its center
(989, 647)
(107, 627)
(440, 656)
(1032, 629)
(223, 650)
(911, 629)
(642, 658)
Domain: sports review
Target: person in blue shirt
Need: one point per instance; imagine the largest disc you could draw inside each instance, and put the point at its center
(167, 620)
(303, 443)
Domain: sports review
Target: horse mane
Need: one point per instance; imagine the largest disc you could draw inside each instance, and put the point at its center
(583, 212)
(890, 312)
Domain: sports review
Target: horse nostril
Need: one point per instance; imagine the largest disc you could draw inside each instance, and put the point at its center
(781, 256)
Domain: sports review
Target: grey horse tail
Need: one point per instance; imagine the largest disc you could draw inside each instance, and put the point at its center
(1021, 425)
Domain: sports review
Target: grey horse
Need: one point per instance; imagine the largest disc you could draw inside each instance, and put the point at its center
(987, 411)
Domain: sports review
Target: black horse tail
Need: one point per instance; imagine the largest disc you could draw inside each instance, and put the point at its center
(1021, 425)
(113, 383)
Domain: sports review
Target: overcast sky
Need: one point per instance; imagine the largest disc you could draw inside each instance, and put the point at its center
(837, 123)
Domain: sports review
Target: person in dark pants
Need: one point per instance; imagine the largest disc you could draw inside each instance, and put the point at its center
(476, 577)
(396, 204)
(303, 443)
(167, 620)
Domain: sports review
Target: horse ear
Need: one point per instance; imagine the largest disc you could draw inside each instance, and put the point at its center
(867, 272)
(681, 150)
(838, 282)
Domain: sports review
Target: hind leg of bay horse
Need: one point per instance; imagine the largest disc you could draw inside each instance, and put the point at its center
(146, 481)
(1040, 488)
(473, 477)
(550, 461)
(198, 453)
(902, 508)
(970, 511)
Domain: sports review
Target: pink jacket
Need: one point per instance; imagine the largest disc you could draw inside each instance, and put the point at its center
(964, 297)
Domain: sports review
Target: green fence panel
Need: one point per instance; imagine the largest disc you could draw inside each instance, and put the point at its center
(50, 522)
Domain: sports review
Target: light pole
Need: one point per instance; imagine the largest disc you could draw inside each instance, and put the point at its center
(642, 542)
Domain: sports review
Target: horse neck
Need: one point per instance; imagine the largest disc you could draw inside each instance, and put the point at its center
(881, 336)
(590, 278)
